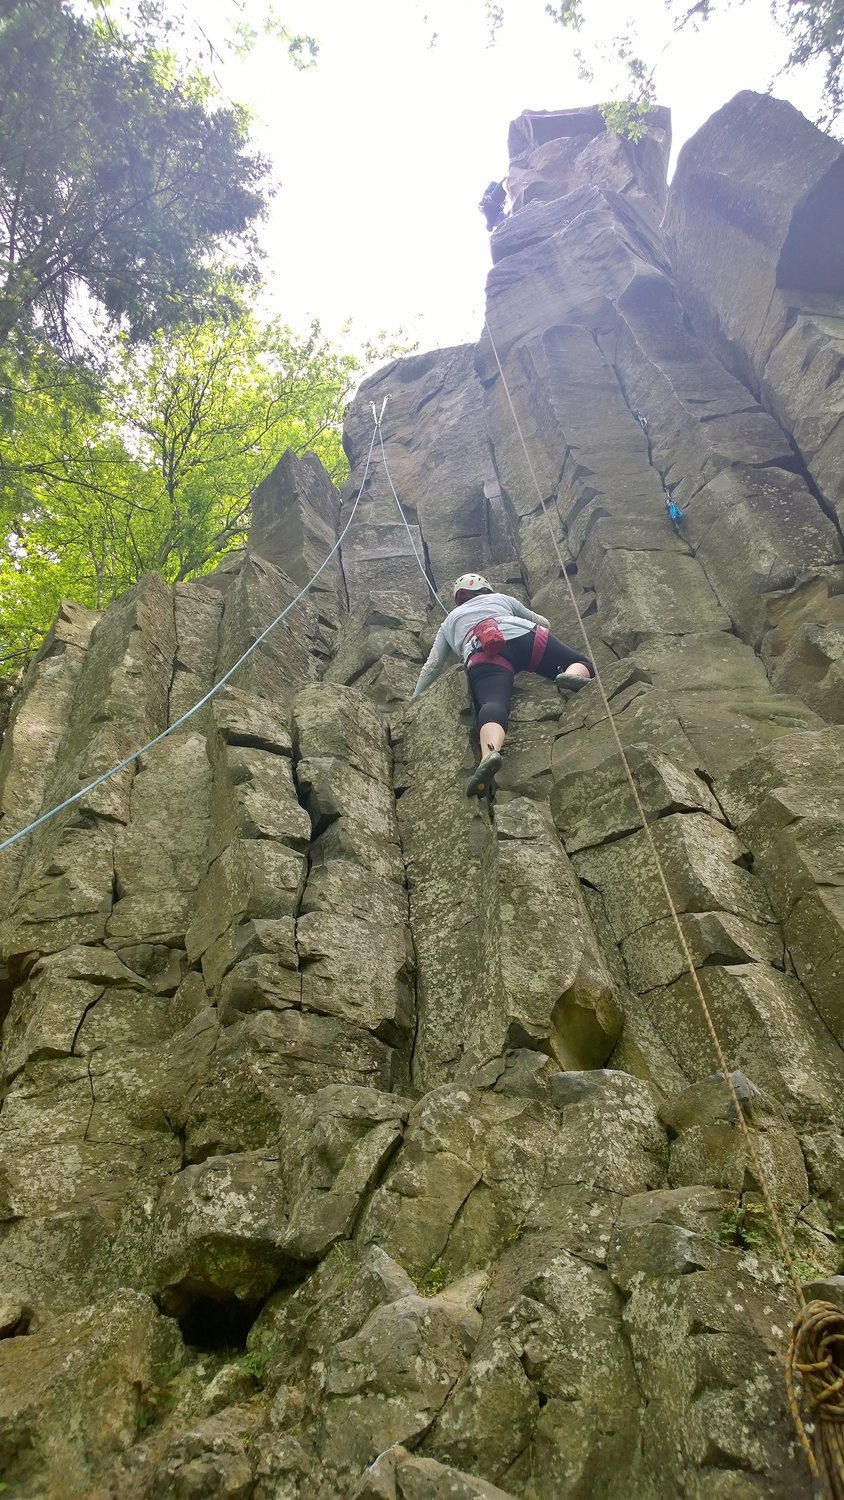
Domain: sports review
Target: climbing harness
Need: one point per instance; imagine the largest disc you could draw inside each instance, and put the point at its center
(828, 1476)
(485, 636)
(212, 692)
(541, 636)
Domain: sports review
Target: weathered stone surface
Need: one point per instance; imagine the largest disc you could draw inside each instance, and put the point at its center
(811, 667)
(298, 1037)
(593, 807)
(768, 1027)
(281, 664)
(37, 723)
(788, 802)
(219, 1230)
(160, 855)
(70, 1395)
(753, 228)
(400, 1475)
(295, 522)
(198, 610)
(259, 1062)
(558, 987)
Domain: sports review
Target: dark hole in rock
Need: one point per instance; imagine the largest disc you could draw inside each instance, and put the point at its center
(211, 1324)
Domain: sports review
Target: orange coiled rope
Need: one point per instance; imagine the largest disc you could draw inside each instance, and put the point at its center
(816, 1360)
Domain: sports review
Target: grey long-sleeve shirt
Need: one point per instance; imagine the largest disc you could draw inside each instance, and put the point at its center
(512, 617)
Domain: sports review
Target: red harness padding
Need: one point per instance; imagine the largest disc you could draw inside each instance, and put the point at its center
(486, 635)
(483, 658)
(488, 640)
(540, 642)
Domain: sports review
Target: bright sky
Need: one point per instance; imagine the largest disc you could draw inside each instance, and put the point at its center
(384, 148)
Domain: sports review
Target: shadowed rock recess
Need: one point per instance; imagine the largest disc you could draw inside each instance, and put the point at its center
(355, 1142)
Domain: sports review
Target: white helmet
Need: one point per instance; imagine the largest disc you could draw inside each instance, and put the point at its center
(471, 583)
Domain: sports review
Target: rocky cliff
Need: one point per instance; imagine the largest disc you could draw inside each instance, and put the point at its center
(357, 1141)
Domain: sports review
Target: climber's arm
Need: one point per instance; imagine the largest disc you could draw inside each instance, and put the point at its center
(527, 614)
(439, 654)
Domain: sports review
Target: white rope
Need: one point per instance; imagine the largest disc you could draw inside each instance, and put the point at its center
(422, 570)
(188, 714)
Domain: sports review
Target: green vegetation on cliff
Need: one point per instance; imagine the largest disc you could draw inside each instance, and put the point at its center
(142, 394)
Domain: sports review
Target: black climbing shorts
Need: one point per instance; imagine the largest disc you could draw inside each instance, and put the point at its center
(492, 686)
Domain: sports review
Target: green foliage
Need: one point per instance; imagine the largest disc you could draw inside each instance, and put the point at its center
(254, 1364)
(815, 29)
(151, 466)
(804, 1270)
(816, 32)
(266, 24)
(626, 117)
(566, 15)
(119, 179)
(741, 1226)
(433, 1281)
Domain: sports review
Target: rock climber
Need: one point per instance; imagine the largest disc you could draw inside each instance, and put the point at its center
(492, 205)
(495, 637)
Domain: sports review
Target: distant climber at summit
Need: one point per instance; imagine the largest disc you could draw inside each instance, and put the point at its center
(495, 637)
(492, 205)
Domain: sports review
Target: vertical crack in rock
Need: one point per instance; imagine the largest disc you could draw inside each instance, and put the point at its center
(229, 967)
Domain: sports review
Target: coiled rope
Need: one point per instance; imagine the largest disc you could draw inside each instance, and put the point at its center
(816, 1358)
(212, 692)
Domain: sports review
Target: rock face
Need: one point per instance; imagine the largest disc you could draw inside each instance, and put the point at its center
(360, 1142)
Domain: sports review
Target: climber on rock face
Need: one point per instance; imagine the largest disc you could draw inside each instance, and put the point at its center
(495, 637)
(492, 205)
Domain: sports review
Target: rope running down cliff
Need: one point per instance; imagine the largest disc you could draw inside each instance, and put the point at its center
(188, 714)
(826, 1370)
(422, 570)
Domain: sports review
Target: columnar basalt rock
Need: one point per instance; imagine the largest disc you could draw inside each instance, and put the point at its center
(361, 1141)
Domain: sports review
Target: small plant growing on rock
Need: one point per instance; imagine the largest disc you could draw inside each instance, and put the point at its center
(156, 1398)
(433, 1281)
(741, 1226)
(804, 1270)
(253, 1363)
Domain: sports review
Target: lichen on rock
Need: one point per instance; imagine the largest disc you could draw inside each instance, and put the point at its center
(359, 1141)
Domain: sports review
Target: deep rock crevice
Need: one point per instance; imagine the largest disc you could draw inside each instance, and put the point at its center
(404, 1106)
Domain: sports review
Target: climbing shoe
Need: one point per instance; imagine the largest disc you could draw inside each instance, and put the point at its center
(567, 682)
(482, 777)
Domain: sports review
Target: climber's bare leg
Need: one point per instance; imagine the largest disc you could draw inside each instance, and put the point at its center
(483, 777)
(492, 737)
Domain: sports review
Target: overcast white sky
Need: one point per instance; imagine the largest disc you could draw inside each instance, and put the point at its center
(383, 149)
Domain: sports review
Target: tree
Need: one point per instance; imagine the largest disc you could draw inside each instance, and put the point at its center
(815, 29)
(119, 179)
(153, 467)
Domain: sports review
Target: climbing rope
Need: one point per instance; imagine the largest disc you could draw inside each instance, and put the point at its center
(212, 692)
(829, 1372)
(377, 420)
(816, 1352)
